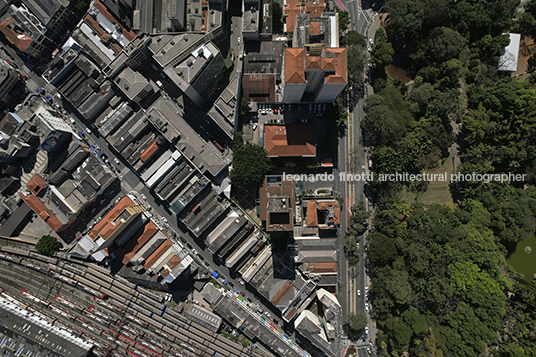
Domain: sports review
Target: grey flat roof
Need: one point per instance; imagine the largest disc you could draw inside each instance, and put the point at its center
(263, 57)
(192, 146)
(171, 49)
(204, 213)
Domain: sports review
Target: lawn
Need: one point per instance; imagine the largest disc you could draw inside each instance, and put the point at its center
(523, 259)
(437, 192)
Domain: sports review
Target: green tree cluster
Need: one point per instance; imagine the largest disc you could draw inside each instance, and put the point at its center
(48, 245)
(441, 39)
(437, 285)
(357, 323)
(277, 18)
(250, 163)
(409, 135)
(357, 225)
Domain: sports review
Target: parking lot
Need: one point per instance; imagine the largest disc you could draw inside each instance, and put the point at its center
(285, 114)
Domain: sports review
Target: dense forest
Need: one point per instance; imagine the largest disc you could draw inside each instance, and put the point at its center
(440, 282)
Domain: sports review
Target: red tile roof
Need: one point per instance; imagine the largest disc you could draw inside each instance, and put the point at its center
(290, 140)
(340, 66)
(135, 244)
(130, 35)
(22, 41)
(156, 254)
(315, 28)
(39, 208)
(291, 8)
(106, 220)
(312, 214)
(173, 262)
(313, 62)
(294, 65)
(314, 8)
(276, 299)
(149, 151)
(322, 267)
(36, 184)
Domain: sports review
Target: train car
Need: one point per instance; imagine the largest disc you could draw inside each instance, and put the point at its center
(36, 267)
(11, 250)
(65, 279)
(150, 294)
(148, 306)
(69, 304)
(100, 275)
(148, 300)
(113, 295)
(90, 284)
(123, 293)
(34, 298)
(176, 321)
(198, 330)
(126, 340)
(177, 316)
(11, 258)
(62, 313)
(148, 348)
(44, 258)
(103, 315)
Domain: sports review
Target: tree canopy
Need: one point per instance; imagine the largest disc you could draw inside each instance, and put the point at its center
(47, 244)
(250, 163)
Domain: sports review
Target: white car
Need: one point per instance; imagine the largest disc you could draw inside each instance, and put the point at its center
(195, 251)
(366, 330)
(143, 197)
(371, 42)
(116, 160)
(366, 307)
(241, 282)
(239, 39)
(164, 219)
(254, 126)
(358, 292)
(88, 130)
(72, 120)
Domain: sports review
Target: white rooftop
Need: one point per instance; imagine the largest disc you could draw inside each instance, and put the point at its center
(510, 54)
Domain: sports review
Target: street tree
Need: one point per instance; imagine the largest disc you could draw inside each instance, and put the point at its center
(48, 244)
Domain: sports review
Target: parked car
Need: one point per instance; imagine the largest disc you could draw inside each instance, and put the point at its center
(88, 130)
(143, 197)
(116, 160)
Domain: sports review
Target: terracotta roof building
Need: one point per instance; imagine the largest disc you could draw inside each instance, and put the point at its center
(290, 140)
(32, 26)
(318, 78)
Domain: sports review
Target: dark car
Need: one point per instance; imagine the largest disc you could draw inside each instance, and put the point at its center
(14, 65)
(183, 240)
(231, 284)
(189, 245)
(207, 263)
(242, 293)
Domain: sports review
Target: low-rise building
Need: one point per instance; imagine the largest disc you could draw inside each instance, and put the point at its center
(277, 203)
(290, 140)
